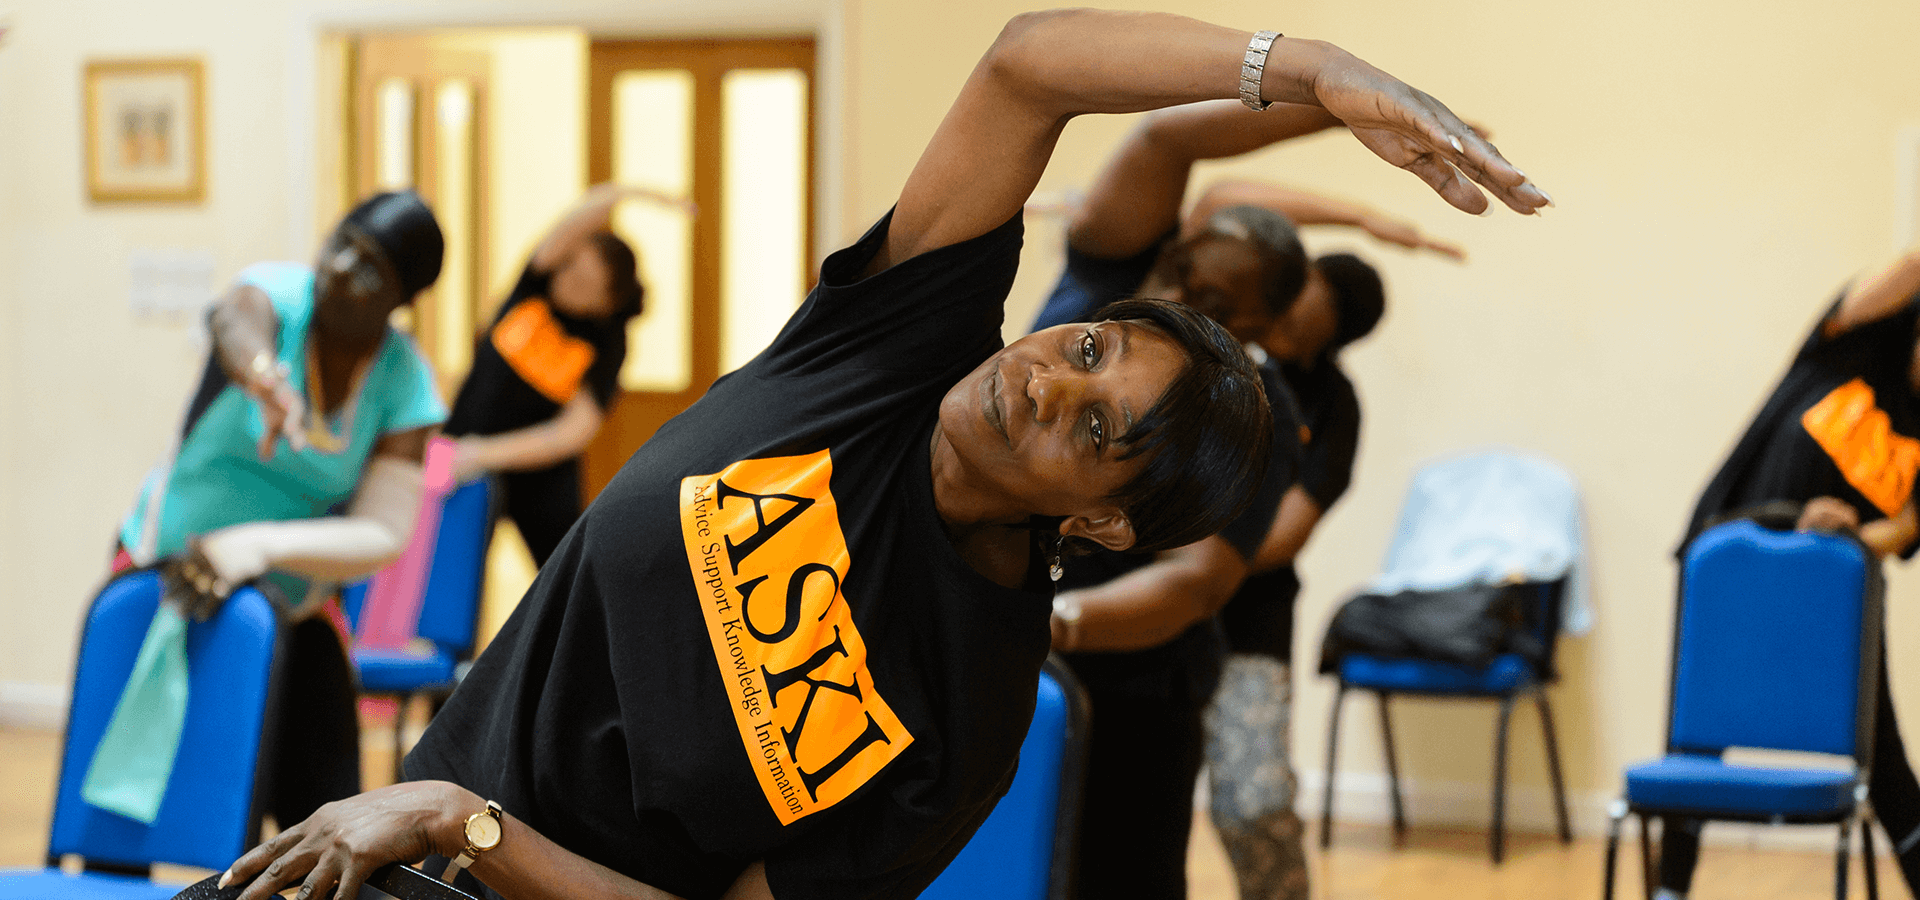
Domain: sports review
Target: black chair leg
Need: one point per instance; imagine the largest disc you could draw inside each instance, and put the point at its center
(1393, 773)
(1649, 875)
(1553, 765)
(1867, 856)
(1497, 838)
(1333, 756)
(1840, 859)
(1616, 814)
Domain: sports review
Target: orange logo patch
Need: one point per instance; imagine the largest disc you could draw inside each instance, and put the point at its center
(541, 352)
(1879, 462)
(768, 558)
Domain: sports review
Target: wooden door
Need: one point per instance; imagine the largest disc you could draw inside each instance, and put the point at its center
(669, 115)
(416, 116)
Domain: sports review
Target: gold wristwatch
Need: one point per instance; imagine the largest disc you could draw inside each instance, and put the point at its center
(483, 832)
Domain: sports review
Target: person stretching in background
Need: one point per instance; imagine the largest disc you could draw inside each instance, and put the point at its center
(547, 370)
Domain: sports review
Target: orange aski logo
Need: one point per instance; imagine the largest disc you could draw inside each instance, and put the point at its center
(768, 559)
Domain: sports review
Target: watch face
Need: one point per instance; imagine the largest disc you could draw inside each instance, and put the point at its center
(483, 831)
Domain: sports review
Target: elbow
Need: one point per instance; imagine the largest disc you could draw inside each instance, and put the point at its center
(1016, 59)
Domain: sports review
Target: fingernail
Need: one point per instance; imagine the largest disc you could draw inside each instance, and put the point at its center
(1544, 193)
(225, 879)
(1485, 212)
(1456, 144)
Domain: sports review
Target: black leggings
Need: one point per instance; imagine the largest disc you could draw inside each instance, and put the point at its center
(314, 753)
(1894, 793)
(543, 504)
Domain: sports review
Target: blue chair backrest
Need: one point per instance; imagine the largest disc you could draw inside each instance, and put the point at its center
(1018, 851)
(450, 606)
(210, 812)
(1777, 640)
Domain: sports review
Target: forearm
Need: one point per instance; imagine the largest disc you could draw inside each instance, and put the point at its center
(372, 534)
(527, 865)
(537, 446)
(594, 212)
(1890, 537)
(244, 331)
(1147, 607)
(1301, 207)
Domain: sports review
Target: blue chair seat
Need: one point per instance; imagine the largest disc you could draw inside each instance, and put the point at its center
(41, 884)
(1507, 672)
(403, 670)
(1704, 783)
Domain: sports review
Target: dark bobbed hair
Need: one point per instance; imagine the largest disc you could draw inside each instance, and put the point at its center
(1207, 438)
(1359, 297)
(404, 228)
(1271, 235)
(623, 275)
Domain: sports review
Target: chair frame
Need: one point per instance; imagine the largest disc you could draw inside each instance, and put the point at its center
(1552, 595)
(263, 771)
(437, 695)
(1872, 626)
(1061, 880)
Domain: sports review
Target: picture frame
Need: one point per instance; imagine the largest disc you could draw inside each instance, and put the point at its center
(146, 129)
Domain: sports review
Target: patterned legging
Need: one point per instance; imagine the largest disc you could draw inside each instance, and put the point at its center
(1251, 777)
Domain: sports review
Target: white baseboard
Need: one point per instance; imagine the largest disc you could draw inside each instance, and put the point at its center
(35, 706)
(1363, 798)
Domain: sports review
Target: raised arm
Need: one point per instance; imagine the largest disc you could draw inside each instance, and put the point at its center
(246, 332)
(1136, 199)
(1878, 295)
(1151, 605)
(1046, 68)
(1307, 208)
(594, 212)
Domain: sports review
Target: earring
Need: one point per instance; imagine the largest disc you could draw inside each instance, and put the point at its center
(1054, 569)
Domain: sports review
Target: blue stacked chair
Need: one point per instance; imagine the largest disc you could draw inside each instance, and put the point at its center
(1025, 849)
(1776, 647)
(212, 808)
(449, 611)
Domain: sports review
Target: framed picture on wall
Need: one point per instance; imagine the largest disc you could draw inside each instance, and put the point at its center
(146, 131)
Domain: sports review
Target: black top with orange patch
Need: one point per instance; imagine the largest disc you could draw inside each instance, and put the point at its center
(532, 360)
(1843, 423)
(758, 642)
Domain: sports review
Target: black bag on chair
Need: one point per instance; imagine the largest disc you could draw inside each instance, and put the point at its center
(1467, 626)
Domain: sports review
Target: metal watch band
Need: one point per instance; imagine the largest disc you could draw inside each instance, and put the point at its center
(1253, 66)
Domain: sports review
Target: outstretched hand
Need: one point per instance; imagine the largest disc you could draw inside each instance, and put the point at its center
(1410, 129)
(337, 847)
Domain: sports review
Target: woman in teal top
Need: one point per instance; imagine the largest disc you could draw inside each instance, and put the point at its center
(300, 462)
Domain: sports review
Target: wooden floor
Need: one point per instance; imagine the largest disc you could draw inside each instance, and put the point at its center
(1363, 864)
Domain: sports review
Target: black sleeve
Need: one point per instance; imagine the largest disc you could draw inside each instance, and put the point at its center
(609, 354)
(920, 315)
(532, 283)
(1249, 530)
(1090, 282)
(1881, 348)
(1326, 462)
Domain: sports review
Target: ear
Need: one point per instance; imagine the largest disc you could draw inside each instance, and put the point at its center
(1113, 531)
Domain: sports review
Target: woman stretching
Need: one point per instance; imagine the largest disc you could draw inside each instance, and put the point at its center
(791, 650)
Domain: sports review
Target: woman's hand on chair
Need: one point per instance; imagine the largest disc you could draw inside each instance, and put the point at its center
(337, 847)
(1828, 514)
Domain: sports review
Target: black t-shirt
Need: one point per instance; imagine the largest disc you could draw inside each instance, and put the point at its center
(758, 643)
(1189, 662)
(1843, 423)
(532, 359)
(1259, 619)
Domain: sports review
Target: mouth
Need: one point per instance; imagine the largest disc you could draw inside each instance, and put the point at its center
(993, 411)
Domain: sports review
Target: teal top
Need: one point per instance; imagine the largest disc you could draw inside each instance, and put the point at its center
(216, 478)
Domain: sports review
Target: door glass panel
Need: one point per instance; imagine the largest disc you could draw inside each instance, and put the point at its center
(452, 321)
(764, 191)
(394, 140)
(653, 148)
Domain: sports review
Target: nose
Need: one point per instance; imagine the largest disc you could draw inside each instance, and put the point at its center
(1054, 391)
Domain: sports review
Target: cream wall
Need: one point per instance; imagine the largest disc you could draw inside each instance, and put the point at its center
(1718, 176)
(88, 391)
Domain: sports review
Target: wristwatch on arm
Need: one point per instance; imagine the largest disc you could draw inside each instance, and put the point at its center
(483, 832)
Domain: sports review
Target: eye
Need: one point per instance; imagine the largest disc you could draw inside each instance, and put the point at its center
(1098, 430)
(1089, 350)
